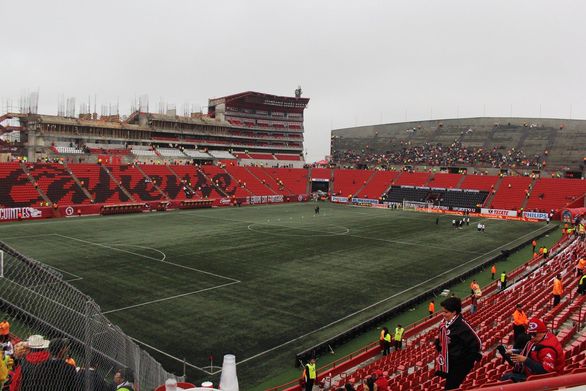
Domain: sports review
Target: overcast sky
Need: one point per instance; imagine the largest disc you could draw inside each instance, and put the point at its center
(360, 62)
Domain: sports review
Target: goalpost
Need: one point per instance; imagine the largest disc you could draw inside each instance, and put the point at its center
(417, 206)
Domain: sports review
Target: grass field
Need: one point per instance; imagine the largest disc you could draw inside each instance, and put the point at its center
(261, 282)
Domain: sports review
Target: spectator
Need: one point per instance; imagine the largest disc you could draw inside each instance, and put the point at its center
(370, 383)
(386, 341)
(38, 354)
(558, 289)
(382, 382)
(55, 374)
(457, 344)
(5, 342)
(582, 285)
(21, 349)
(90, 376)
(542, 354)
(473, 304)
(520, 323)
(123, 379)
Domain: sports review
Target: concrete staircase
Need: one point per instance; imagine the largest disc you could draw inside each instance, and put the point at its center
(117, 182)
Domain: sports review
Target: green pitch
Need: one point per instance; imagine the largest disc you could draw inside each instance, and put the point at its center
(260, 282)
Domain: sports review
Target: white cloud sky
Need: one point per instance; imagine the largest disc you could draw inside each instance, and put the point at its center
(360, 62)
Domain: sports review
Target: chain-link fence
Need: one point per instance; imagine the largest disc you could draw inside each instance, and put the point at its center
(61, 323)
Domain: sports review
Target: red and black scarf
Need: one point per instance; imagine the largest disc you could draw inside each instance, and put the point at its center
(443, 364)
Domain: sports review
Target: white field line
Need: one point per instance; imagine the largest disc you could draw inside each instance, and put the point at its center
(382, 301)
(170, 356)
(170, 297)
(325, 233)
(151, 258)
(25, 236)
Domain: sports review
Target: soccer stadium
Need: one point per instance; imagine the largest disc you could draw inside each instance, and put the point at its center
(129, 237)
(413, 219)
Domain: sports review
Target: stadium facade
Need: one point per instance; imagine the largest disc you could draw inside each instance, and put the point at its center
(269, 127)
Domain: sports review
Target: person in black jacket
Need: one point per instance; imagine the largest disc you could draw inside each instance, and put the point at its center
(92, 377)
(55, 374)
(457, 344)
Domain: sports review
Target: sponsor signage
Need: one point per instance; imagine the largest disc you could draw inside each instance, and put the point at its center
(535, 215)
(26, 213)
(264, 199)
(340, 199)
(459, 209)
(499, 212)
(364, 201)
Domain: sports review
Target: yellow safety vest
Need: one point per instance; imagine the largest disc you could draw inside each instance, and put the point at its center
(388, 337)
(399, 333)
(310, 371)
(503, 277)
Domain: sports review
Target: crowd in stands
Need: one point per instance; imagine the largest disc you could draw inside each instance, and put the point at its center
(38, 364)
(431, 154)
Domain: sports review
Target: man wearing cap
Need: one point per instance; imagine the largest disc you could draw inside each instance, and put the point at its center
(458, 345)
(38, 354)
(55, 374)
(542, 354)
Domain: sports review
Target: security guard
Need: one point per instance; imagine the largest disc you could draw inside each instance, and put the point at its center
(399, 330)
(503, 280)
(309, 374)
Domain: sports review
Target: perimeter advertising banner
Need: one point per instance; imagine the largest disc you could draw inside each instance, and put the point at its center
(342, 200)
(535, 215)
(364, 201)
(499, 212)
(23, 213)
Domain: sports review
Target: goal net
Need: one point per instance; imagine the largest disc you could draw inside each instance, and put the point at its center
(417, 206)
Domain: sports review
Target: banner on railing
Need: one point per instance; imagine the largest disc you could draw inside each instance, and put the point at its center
(499, 212)
(342, 200)
(535, 215)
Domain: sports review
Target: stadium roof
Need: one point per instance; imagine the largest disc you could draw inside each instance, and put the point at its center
(259, 98)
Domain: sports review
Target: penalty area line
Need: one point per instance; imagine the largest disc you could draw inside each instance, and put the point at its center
(169, 297)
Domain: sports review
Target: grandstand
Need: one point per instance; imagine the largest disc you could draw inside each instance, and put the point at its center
(472, 143)
(269, 128)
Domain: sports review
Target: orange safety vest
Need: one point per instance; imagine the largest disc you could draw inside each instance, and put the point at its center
(493, 269)
(520, 318)
(558, 287)
(431, 307)
(534, 243)
(581, 264)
